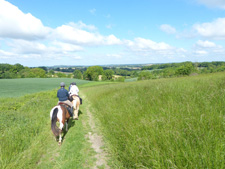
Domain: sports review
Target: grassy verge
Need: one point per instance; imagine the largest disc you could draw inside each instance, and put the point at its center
(27, 141)
(165, 123)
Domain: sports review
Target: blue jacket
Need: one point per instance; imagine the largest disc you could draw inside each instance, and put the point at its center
(62, 94)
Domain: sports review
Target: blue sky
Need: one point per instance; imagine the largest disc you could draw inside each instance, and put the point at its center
(99, 32)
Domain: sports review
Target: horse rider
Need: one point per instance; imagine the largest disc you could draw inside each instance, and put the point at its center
(73, 89)
(63, 95)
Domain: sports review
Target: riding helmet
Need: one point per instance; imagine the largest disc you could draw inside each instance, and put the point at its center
(62, 84)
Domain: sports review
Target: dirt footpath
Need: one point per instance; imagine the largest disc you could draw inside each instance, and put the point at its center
(96, 141)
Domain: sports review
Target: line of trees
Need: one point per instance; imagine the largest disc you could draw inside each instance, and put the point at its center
(179, 69)
(8, 71)
(176, 65)
(92, 73)
(95, 73)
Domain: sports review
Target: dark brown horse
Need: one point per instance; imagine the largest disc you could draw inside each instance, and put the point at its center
(61, 114)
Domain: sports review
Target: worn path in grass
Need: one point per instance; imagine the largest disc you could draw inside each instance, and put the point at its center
(82, 145)
(34, 145)
(95, 138)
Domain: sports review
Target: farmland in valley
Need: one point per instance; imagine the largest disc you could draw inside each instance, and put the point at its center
(20, 87)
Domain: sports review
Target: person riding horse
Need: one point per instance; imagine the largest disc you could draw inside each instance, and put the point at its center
(73, 92)
(63, 95)
(73, 89)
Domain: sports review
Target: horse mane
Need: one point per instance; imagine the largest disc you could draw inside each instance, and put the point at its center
(56, 131)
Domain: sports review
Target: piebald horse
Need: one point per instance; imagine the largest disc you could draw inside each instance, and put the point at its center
(59, 113)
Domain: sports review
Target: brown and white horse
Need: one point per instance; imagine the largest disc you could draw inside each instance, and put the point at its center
(76, 106)
(59, 113)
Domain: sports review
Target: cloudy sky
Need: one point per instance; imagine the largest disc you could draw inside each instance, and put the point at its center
(97, 32)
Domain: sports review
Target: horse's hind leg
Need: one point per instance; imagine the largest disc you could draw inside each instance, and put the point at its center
(67, 126)
(60, 139)
(74, 108)
(60, 135)
(76, 113)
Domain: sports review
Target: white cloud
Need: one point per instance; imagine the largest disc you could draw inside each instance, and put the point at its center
(200, 52)
(15, 24)
(27, 47)
(92, 11)
(34, 49)
(109, 26)
(213, 30)
(112, 40)
(146, 49)
(114, 56)
(205, 44)
(5, 54)
(77, 57)
(24, 36)
(141, 44)
(81, 25)
(75, 35)
(78, 36)
(213, 3)
(66, 46)
(168, 29)
(207, 48)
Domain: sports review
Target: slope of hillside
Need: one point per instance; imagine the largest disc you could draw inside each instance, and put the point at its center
(166, 123)
(27, 140)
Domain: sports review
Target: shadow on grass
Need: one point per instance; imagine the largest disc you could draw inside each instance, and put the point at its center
(79, 113)
(71, 123)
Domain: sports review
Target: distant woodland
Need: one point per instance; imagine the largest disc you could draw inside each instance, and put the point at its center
(112, 73)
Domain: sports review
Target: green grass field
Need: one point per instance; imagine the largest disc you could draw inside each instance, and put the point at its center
(20, 87)
(163, 123)
(166, 123)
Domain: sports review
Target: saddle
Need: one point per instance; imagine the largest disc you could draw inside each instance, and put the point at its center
(67, 107)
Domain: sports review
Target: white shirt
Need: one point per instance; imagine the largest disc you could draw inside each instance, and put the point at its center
(74, 90)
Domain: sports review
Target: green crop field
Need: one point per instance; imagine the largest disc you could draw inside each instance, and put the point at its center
(20, 87)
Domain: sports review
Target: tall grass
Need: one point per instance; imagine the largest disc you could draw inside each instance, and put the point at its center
(26, 139)
(165, 123)
(22, 120)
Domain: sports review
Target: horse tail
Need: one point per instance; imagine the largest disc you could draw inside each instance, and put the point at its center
(56, 131)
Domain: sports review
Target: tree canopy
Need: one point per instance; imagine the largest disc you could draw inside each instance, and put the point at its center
(93, 73)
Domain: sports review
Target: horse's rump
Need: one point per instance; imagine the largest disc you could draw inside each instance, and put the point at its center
(61, 114)
(66, 109)
(77, 96)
